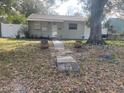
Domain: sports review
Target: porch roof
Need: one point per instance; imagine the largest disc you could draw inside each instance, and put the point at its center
(55, 18)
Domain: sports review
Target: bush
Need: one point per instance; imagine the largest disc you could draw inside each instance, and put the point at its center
(23, 32)
(44, 44)
(78, 44)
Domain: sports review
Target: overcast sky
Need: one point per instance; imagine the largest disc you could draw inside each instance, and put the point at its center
(72, 6)
(68, 7)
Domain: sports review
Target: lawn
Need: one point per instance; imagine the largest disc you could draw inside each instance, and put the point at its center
(116, 43)
(109, 42)
(24, 65)
(9, 44)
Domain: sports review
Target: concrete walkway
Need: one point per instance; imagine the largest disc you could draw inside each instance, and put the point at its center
(58, 45)
(64, 62)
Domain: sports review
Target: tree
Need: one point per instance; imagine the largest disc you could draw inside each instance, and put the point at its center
(6, 6)
(16, 19)
(32, 6)
(97, 8)
(15, 12)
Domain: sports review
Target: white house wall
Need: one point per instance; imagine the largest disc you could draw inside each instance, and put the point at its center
(73, 34)
(104, 31)
(37, 29)
(45, 29)
(63, 31)
(87, 32)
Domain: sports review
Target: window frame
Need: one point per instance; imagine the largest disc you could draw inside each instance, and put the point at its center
(73, 26)
(36, 26)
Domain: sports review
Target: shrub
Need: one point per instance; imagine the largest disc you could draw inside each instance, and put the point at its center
(23, 32)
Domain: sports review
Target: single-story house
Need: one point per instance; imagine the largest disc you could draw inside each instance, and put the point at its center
(62, 27)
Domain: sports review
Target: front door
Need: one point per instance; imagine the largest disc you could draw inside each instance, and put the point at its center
(54, 30)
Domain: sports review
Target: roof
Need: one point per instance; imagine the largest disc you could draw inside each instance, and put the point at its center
(55, 18)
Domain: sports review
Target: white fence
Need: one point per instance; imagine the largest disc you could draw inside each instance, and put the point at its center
(10, 30)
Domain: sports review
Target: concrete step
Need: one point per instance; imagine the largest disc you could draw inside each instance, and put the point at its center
(58, 45)
(67, 63)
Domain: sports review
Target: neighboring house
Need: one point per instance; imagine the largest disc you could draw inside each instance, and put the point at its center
(117, 24)
(116, 28)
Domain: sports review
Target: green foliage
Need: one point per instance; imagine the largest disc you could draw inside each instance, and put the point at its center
(6, 6)
(16, 19)
(2, 10)
(9, 8)
(32, 6)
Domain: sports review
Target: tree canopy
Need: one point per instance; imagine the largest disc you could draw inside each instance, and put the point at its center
(13, 10)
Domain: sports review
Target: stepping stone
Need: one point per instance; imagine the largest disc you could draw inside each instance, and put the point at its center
(68, 52)
(63, 53)
(67, 63)
(58, 45)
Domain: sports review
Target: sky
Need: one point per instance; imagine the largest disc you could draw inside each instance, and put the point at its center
(68, 8)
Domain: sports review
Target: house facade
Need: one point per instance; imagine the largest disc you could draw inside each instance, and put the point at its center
(117, 24)
(62, 27)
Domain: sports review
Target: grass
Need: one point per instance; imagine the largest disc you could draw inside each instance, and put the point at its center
(11, 50)
(25, 62)
(9, 44)
(109, 42)
(116, 42)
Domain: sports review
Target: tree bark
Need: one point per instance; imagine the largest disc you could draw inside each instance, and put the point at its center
(97, 8)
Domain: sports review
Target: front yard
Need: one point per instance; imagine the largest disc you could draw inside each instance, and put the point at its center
(23, 64)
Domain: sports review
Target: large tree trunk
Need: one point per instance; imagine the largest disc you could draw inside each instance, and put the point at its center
(95, 22)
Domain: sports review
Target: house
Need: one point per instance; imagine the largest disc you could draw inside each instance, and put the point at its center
(62, 27)
(117, 24)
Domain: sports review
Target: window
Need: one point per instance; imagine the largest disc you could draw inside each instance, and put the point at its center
(36, 25)
(44, 26)
(72, 26)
